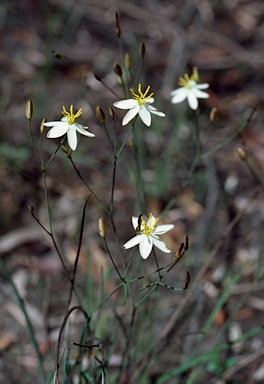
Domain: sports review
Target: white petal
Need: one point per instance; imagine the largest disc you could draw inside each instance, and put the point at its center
(51, 123)
(163, 229)
(178, 95)
(150, 100)
(155, 111)
(192, 100)
(126, 104)
(202, 86)
(81, 129)
(72, 137)
(145, 116)
(135, 222)
(130, 114)
(132, 242)
(160, 244)
(58, 130)
(145, 246)
(200, 94)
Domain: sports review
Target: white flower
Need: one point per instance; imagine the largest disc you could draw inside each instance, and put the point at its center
(190, 90)
(140, 104)
(67, 125)
(148, 235)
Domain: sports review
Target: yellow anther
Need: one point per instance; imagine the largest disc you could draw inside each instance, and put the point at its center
(148, 227)
(70, 116)
(141, 97)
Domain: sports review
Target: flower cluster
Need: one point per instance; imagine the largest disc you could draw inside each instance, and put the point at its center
(147, 235)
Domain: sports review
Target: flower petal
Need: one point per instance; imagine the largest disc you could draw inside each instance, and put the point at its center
(145, 246)
(200, 94)
(58, 130)
(81, 129)
(52, 123)
(132, 242)
(130, 114)
(145, 115)
(72, 137)
(126, 104)
(155, 111)
(178, 95)
(192, 100)
(150, 100)
(202, 86)
(160, 244)
(163, 229)
(135, 222)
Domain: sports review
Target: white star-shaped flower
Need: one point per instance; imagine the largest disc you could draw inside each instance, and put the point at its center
(68, 125)
(190, 90)
(140, 104)
(148, 235)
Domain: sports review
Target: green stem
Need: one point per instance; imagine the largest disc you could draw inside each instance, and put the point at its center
(28, 322)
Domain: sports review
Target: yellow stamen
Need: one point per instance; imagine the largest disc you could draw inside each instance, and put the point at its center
(148, 227)
(141, 97)
(70, 116)
(185, 81)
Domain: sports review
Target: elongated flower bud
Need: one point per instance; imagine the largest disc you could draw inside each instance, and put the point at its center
(118, 30)
(29, 110)
(100, 113)
(111, 112)
(242, 154)
(142, 50)
(214, 115)
(127, 61)
(102, 228)
(42, 126)
(118, 69)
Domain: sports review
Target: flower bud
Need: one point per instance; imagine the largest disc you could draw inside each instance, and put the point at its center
(214, 115)
(29, 110)
(42, 126)
(127, 61)
(68, 151)
(100, 113)
(111, 112)
(242, 154)
(118, 30)
(102, 228)
(142, 50)
(57, 55)
(195, 74)
(97, 77)
(117, 69)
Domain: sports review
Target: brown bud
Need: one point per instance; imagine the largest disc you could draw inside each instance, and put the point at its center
(187, 281)
(242, 154)
(142, 50)
(100, 113)
(118, 30)
(117, 69)
(111, 112)
(29, 110)
(97, 77)
(68, 151)
(57, 55)
(127, 61)
(214, 115)
(102, 228)
(42, 126)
